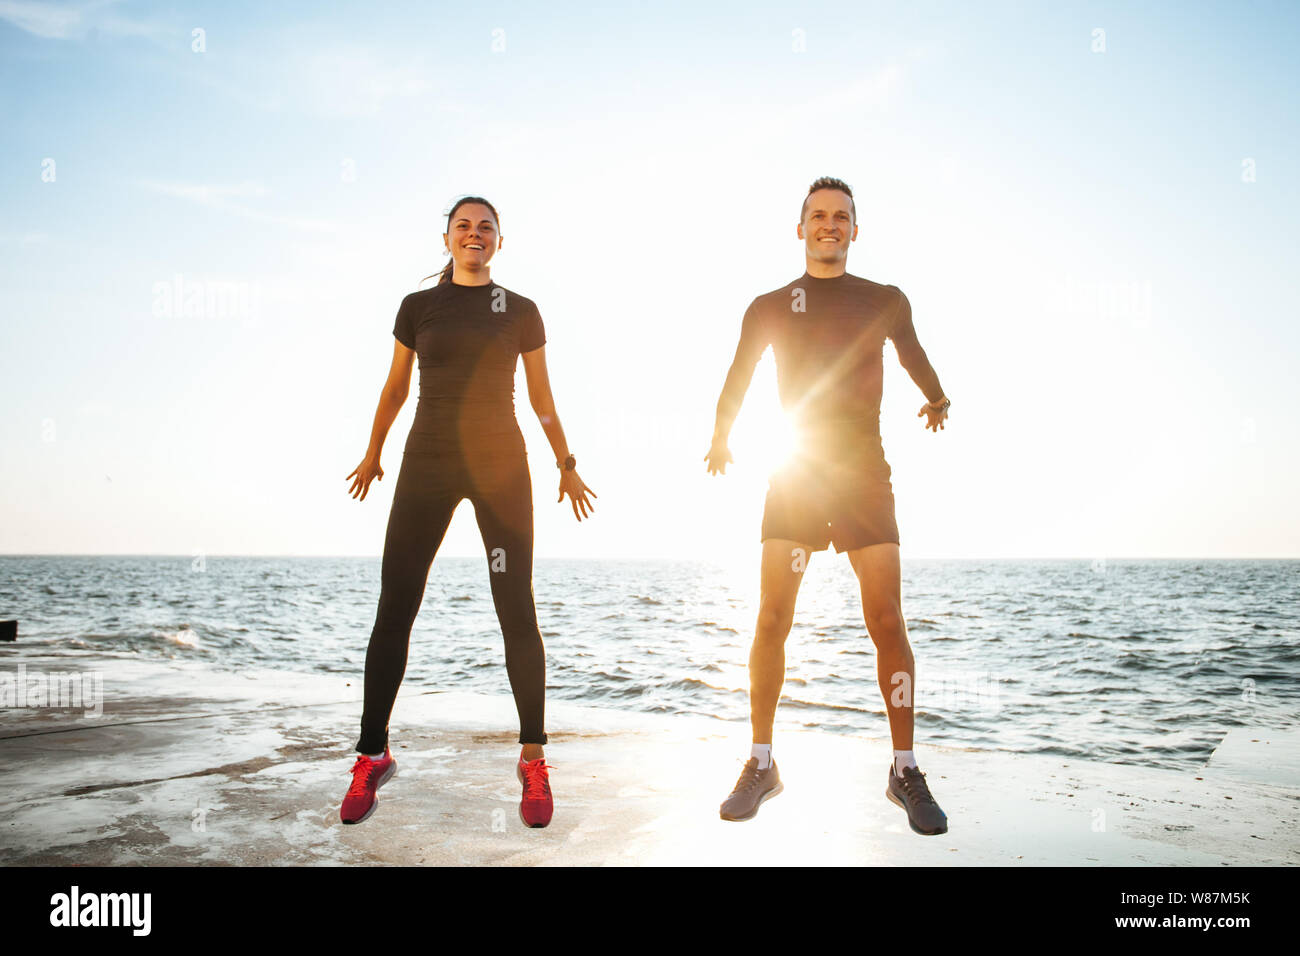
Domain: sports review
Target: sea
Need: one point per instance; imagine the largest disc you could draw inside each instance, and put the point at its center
(1144, 662)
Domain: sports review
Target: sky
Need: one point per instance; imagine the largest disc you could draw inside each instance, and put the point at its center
(211, 213)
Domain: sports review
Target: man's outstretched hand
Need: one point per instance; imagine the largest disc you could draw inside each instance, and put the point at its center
(936, 417)
(717, 458)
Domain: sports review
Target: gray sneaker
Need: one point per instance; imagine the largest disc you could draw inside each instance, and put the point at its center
(911, 793)
(753, 787)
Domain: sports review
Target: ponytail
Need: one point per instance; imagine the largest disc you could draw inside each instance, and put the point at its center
(443, 276)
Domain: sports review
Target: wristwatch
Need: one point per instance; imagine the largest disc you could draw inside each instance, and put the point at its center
(942, 406)
(568, 464)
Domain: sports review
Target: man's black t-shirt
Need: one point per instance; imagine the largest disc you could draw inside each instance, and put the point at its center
(468, 340)
(828, 337)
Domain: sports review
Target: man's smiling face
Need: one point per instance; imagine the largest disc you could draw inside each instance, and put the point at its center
(828, 225)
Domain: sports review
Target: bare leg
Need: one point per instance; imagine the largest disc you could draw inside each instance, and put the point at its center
(783, 565)
(878, 569)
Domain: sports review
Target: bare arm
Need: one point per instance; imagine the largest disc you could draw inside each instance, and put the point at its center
(391, 400)
(393, 396)
(748, 351)
(543, 402)
(913, 358)
(910, 354)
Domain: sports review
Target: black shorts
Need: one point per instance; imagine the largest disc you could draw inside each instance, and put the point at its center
(815, 502)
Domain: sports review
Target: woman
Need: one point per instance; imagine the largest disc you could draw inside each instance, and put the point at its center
(464, 443)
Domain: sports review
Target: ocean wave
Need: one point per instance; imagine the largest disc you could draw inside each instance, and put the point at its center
(182, 638)
(1131, 663)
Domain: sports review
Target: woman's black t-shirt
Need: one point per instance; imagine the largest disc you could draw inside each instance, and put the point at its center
(468, 339)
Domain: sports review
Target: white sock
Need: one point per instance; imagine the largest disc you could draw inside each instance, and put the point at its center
(375, 756)
(903, 758)
(764, 754)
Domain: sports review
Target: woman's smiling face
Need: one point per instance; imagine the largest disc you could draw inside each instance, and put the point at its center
(472, 237)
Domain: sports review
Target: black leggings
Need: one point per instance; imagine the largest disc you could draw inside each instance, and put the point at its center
(428, 491)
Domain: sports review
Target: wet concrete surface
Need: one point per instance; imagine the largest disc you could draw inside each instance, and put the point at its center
(188, 767)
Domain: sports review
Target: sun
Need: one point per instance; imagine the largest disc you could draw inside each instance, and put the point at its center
(763, 437)
(773, 446)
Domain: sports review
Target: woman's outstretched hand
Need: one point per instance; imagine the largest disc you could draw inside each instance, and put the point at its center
(365, 472)
(572, 485)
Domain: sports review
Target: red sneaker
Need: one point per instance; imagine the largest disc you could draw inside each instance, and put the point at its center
(536, 807)
(367, 777)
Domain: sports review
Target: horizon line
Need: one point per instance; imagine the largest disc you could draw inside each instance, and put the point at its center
(654, 557)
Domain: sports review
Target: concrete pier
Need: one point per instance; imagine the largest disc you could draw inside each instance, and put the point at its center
(190, 766)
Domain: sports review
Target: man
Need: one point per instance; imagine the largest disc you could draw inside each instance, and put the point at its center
(827, 330)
